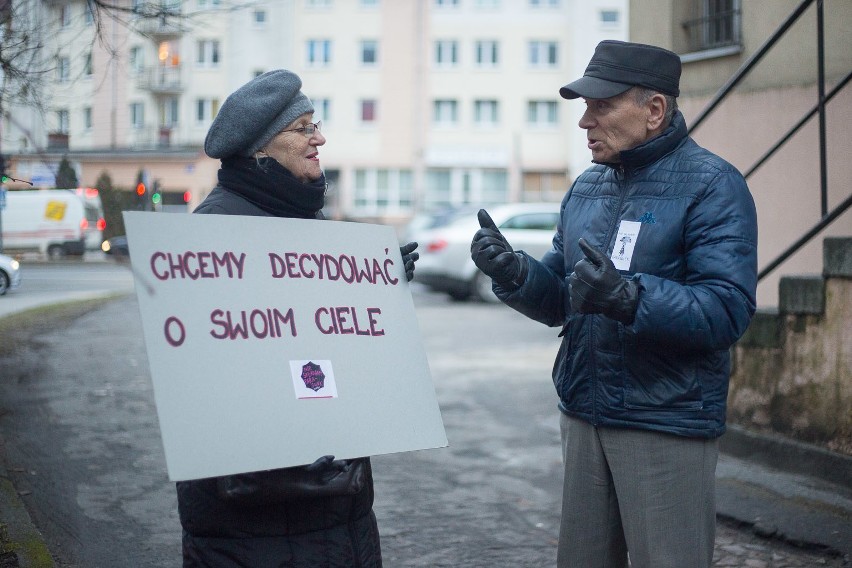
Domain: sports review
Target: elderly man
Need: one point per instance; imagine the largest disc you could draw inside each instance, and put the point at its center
(652, 278)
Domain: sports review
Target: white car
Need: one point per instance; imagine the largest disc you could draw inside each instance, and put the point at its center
(10, 274)
(445, 264)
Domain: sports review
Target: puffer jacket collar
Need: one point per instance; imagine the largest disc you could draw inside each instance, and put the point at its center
(655, 148)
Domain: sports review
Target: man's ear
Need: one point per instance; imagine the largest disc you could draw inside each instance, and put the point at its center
(656, 112)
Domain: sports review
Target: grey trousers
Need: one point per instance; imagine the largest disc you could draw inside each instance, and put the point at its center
(644, 492)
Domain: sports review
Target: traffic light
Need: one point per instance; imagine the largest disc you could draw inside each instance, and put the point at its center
(3, 177)
(140, 189)
(156, 197)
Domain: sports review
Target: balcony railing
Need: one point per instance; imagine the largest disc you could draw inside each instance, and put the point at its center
(160, 28)
(161, 79)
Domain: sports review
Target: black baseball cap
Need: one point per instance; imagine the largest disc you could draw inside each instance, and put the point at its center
(617, 66)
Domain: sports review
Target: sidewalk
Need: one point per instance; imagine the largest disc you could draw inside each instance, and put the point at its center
(797, 493)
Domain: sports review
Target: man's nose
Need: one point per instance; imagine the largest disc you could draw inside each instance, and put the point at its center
(586, 121)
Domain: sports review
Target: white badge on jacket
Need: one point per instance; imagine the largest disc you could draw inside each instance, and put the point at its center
(625, 240)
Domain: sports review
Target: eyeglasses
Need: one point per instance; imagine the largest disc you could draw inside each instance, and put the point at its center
(308, 130)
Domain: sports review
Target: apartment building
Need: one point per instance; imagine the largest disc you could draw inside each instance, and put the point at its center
(425, 103)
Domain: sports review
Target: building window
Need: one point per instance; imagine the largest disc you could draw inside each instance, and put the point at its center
(446, 53)
(169, 112)
(318, 52)
(205, 3)
(319, 3)
(63, 69)
(137, 59)
(87, 64)
(543, 53)
(383, 191)
(544, 113)
(446, 3)
(369, 52)
(322, 110)
(487, 3)
(206, 110)
(259, 18)
(369, 3)
(369, 111)
(485, 113)
(438, 188)
(544, 186)
(208, 53)
(62, 121)
(445, 112)
(609, 18)
(717, 24)
(65, 16)
(495, 186)
(87, 118)
(544, 3)
(137, 115)
(487, 53)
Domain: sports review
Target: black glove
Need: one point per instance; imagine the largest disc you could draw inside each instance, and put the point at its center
(327, 467)
(493, 254)
(408, 259)
(596, 287)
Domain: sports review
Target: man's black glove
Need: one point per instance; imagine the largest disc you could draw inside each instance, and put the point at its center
(408, 259)
(596, 287)
(493, 254)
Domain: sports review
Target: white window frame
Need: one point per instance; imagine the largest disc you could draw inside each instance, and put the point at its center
(63, 69)
(364, 47)
(63, 121)
(87, 118)
(362, 106)
(319, 4)
(446, 53)
(206, 109)
(543, 113)
(445, 112)
(208, 53)
(444, 4)
(322, 110)
(318, 52)
(463, 186)
(383, 191)
(136, 59)
(543, 54)
(486, 112)
(137, 115)
(486, 53)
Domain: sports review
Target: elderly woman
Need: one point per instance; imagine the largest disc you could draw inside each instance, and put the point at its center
(310, 516)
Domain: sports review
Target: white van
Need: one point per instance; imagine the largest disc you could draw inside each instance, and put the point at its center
(50, 221)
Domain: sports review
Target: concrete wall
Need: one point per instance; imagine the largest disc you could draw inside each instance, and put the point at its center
(793, 368)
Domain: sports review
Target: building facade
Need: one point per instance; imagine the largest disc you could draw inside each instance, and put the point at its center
(425, 103)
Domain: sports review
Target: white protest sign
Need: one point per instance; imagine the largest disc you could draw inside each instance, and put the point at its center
(272, 342)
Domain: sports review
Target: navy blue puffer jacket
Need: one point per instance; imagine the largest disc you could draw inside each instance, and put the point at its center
(695, 263)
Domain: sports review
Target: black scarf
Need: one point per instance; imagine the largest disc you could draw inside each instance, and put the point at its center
(272, 187)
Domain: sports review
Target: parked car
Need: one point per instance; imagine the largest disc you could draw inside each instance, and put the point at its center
(445, 264)
(10, 274)
(116, 246)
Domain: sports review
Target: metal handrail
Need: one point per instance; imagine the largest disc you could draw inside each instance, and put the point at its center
(819, 108)
(803, 240)
(837, 88)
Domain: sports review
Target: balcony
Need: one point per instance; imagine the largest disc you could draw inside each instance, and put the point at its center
(161, 28)
(161, 80)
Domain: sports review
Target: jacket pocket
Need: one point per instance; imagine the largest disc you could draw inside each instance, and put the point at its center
(660, 379)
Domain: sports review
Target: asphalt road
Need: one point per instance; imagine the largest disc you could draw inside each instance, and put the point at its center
(83, 449)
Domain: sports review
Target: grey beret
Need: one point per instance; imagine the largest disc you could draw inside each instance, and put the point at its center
(253, 114)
